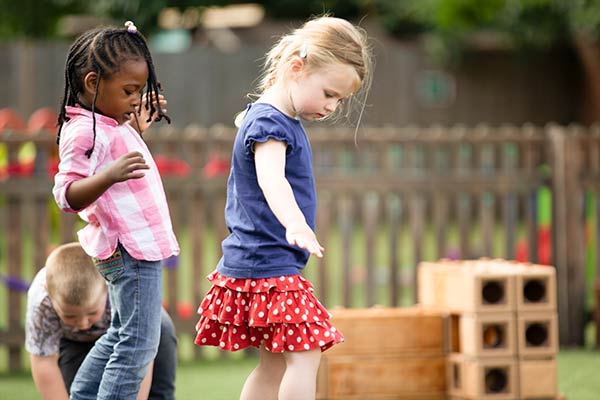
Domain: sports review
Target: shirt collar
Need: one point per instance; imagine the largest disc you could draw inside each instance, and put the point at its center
(73, 111)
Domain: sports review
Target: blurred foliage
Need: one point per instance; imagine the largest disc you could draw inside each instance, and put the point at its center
(585, 17)
(452, 25)
(40, 19)
(301, 10)
(403, 17)
(32, 18)
(529, 23)
(142, 12)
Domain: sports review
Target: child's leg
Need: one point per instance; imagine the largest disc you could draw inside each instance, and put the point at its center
(145, 385)
(70, 357)
(165, 362)
(300, 379)
(136, 300)
(87, 380)
(263, 382)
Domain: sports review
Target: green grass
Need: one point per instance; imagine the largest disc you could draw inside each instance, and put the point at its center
(207, 380)
(223, 379)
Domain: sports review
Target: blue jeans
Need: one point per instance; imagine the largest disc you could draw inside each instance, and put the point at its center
(119, 360)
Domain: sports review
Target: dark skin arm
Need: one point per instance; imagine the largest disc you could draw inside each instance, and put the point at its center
(84, 192)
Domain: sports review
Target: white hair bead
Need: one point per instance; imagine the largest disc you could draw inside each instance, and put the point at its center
(131, 28)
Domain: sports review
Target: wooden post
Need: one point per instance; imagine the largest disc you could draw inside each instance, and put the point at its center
(568, 238)
(14, 257)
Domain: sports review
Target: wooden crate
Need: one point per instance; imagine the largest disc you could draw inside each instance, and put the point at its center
(482, 378)
(388, 353)
(467, 286)
(385, 331)
(488, 334)
(378, 377)
(537, 334)
(536, 288)
(538, 379)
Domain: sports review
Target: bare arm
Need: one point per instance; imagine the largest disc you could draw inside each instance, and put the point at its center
(269, 158)
(84, 192)
(48, 378)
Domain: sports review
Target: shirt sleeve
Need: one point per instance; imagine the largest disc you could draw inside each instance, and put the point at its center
(74, 164)
(263, 129)
(42, 324)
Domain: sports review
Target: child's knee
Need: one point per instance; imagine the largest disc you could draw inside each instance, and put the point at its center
(304, 359)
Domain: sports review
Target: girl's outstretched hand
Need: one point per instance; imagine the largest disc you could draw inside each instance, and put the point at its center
(302, 236)
(139, 119)
(126, 167)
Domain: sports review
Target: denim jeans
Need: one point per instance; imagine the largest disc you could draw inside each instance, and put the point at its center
(72, 353)
(119, 360)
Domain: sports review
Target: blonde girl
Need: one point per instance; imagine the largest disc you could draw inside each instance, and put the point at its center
(258, 297)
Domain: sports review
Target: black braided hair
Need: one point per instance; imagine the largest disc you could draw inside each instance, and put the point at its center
(104, 51)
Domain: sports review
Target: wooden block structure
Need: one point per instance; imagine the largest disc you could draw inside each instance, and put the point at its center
(482, 378)
(503, 334)
(388, 353)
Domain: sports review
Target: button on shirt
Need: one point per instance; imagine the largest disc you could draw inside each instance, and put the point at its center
(257, 247)
(133, 212)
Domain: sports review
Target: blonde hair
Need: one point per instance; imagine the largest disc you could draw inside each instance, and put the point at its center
(323, 41)
(71, 276)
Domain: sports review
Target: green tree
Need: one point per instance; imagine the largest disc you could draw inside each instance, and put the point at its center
(40, 19)
(33, 18)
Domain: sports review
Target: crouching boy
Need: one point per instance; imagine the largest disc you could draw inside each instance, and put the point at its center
(67, 310)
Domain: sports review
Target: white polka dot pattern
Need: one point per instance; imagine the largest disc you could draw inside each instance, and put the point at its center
(282, 313)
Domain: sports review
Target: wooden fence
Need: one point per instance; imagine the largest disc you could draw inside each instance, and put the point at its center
(388, 198)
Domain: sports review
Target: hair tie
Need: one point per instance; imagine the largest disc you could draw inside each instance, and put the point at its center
(131, 28)
(303, 50)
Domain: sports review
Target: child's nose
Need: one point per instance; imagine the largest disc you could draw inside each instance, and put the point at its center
(83, 324)
(331, 106)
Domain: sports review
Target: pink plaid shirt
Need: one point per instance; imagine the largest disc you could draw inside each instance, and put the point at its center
(134, 212)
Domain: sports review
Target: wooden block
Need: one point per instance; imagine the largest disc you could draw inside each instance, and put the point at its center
(382, 377)
(488, 334)
(389, 331)
(464, 398)
(537, 334)
(482, 378)
(431, 288)
(538, 379)
(535, 288)
(467, 286)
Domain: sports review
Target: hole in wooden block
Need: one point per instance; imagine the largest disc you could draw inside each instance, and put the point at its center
(492, 292)
(493, 336)
(456, 376)
(534, 291)
(536, 334)
(496, 380)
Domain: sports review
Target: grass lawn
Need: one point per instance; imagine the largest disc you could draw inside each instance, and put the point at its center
(206, 380)
(223, 379)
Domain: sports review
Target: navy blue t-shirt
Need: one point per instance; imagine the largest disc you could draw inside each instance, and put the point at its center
(256, 246)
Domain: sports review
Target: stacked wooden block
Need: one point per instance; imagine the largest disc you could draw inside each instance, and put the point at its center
(388, 353)
(503, 327)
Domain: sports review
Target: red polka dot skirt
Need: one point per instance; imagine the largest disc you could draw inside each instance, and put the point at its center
(282, 313)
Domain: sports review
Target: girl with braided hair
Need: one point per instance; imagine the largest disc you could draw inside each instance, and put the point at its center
(258, 297)
(108, 176)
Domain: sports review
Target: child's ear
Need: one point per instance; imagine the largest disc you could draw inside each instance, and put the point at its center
(296, 66)
(90, 81)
